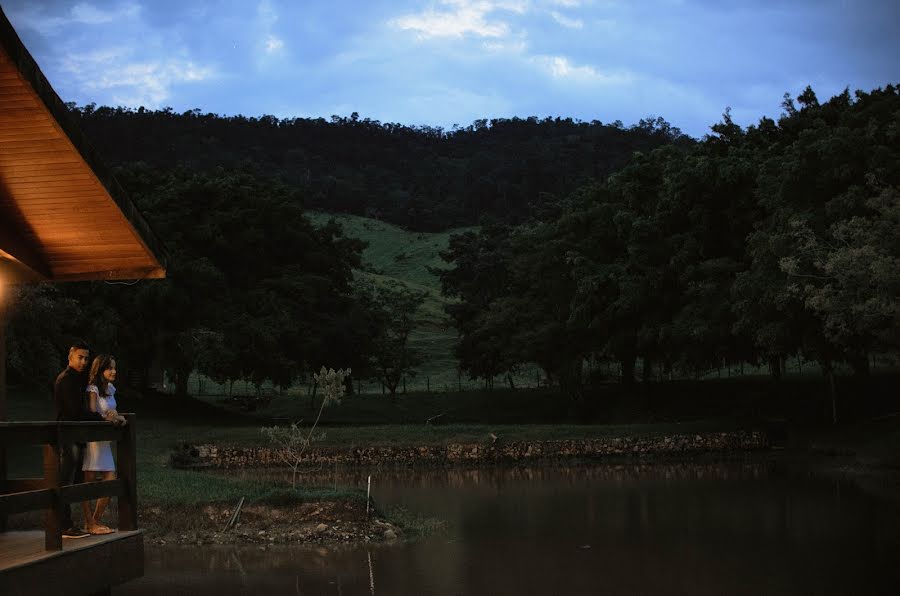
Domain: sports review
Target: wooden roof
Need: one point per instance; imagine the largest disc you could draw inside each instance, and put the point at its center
(63, 217)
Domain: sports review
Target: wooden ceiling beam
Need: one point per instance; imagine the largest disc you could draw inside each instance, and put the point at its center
(111, 274)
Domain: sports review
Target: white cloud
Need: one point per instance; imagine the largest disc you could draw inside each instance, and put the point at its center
(273, 44)
(566, 21)
(560, 67)
(91, 15)
(82, 13)
(462, 17)
(266, 18)
(513, 47)
(130, 82)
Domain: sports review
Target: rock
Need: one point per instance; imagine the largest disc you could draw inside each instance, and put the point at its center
(321, 528)
(390, 535)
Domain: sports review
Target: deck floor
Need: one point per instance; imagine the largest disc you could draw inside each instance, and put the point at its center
(83, 566)
(22, 548)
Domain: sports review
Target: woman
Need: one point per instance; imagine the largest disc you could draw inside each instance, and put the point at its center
(98, 458)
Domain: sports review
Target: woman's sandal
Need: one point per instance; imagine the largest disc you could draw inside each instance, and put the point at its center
(100, 529)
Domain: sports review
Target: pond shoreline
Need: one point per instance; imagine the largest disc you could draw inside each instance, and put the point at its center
(492, 450)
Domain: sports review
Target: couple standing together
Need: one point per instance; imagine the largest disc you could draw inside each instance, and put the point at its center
(86, 397)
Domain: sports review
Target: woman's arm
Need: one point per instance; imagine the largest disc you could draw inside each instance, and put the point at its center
(93, 402)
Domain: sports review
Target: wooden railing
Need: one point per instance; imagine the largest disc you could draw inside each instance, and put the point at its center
(18, 495)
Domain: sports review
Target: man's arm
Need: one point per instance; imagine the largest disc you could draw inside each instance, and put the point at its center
(70, 404)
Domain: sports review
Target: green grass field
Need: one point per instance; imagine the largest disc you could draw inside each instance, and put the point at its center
(408, 257)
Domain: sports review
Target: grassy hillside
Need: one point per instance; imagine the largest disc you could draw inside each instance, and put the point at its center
(400, 255)
(393, 251)
(403, 256)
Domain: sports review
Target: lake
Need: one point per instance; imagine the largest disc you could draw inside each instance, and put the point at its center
(751, 527)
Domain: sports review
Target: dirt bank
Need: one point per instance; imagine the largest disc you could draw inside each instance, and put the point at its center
(320, 522)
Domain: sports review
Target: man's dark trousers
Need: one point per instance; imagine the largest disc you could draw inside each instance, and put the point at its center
(71, 458)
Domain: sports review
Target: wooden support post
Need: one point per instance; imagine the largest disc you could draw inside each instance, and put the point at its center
(53, 521)
(3, 472)
(3, 299)
(127, 453)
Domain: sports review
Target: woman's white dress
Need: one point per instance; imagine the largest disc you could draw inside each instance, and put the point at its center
(98, 456)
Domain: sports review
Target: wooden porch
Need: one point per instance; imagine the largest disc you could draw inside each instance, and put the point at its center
(40, 561)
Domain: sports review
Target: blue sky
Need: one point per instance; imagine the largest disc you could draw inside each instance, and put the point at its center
(447, 62)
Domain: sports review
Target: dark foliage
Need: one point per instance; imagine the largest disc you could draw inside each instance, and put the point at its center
(421, 178)
(751, 246)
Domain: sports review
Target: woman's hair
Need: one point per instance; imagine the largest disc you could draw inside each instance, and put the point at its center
(100, 364)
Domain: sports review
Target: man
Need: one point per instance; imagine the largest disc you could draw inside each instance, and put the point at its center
(71, 404)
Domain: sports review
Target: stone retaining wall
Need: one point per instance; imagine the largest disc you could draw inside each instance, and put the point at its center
(214, 456)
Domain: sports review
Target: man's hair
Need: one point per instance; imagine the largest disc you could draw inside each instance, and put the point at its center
(78, 344)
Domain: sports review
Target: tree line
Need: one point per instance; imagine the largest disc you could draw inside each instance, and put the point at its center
(752, 245)
(595, 242)
(254, 292)
(418, 177)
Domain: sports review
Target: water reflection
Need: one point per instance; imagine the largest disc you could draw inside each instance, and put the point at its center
(737, 528)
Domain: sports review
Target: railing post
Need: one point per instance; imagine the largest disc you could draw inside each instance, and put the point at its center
(127, 453)
(53, 524)
(2, 484)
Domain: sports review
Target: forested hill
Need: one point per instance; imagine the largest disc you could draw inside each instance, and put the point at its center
(421, 178)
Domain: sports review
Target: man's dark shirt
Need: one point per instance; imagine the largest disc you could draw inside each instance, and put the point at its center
(70, 397)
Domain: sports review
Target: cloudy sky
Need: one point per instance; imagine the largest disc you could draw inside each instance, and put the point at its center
(446, 62)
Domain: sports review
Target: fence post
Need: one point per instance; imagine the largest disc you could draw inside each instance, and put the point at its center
(53, 519)
(126, 450)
